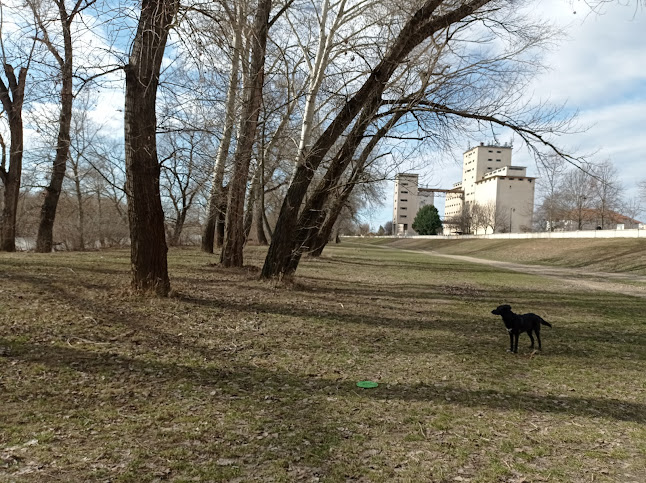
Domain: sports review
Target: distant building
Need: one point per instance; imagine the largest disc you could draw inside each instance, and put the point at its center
(594, 219)
(493, 196)
(409, 197)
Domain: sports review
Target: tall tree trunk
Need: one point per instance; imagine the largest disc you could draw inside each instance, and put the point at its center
(421, 26)
(99, 208)
(81, 215)
(44, 239)
(12, 98)
(217, 195)
(147, 236)
(231, 255)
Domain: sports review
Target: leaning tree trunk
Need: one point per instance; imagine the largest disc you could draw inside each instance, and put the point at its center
(231, 255)
(12, 98)
(147, 237)
(423, 24)
(313, 215)
(318, 240)
(318, 236)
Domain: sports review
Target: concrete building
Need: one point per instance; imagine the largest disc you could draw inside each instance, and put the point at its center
(409, 197)
(493, 196)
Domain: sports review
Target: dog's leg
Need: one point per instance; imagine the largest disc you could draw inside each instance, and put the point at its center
(511, 341)
(529, 333)
(538, 337)
(516, 342)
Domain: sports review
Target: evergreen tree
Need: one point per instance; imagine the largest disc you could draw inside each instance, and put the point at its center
(427, 221)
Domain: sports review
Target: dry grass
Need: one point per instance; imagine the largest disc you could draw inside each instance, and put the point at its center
(603, 254)
(234, 379)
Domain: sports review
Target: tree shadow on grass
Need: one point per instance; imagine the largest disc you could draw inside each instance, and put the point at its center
(433, 326)
(257, 383)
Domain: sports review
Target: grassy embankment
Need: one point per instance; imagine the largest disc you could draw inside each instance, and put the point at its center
(237, 379)
(603, 254)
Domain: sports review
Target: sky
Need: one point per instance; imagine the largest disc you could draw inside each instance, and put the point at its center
(599, 70)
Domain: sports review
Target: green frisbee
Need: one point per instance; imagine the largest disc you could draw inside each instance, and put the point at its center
(367, 384)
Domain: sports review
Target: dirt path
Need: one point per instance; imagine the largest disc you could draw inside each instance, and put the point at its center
(602, 281)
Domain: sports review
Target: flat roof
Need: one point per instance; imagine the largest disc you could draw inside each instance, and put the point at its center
(487, 146)
(492, 176)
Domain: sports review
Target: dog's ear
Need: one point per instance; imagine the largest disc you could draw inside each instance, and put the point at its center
(504, 307)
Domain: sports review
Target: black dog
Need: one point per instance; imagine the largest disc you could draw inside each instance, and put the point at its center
(517, 324)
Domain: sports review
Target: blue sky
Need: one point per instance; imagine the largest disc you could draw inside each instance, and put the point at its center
(599, 70)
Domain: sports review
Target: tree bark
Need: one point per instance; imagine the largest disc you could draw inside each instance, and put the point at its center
(259, 209)
(12, 98)
(420, 26)
(217, 194)
(252, 200)
(79, 201)
(317, 238)
(147, 236)
(231, 255)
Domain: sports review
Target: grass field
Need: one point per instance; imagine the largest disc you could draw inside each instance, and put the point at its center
(234, 379)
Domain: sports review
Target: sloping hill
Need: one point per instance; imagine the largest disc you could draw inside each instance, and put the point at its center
(608, 254)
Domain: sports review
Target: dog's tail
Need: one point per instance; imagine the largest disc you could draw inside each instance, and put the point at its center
(545, 323)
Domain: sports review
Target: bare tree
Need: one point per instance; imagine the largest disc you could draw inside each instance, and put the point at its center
(147, 234)
(217, 197)
(431, 19)
(335, 40)
(578, 195)
(641, 186)
(82, 137)
(461, 223)
(632, 208)
(12, 97)
(606, 191)
(231, 254)
(64, 59)
(551, 170)
(182, 176)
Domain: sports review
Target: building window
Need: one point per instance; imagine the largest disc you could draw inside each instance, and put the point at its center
(405, 192)
(404, 184)
(405, 226)
(491, 159)
(490, 151)
(403, 199)
(403, 216)
(403, 208)
(497, 160)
